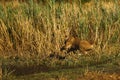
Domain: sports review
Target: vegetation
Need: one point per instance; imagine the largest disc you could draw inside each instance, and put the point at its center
(31, 31)
(70, 68)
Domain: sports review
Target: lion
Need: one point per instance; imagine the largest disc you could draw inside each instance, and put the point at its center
(74, 43)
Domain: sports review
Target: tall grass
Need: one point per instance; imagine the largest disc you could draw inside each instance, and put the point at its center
(31, 28)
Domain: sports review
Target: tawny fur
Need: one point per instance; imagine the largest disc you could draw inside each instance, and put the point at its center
(74, 43)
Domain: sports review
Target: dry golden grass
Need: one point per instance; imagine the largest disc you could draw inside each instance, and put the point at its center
(0, 72)
(35, 30)
(99, 76)
(95, 76)
(45, 32)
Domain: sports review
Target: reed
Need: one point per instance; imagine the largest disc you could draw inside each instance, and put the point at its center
(40, 29)
(33, 29)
